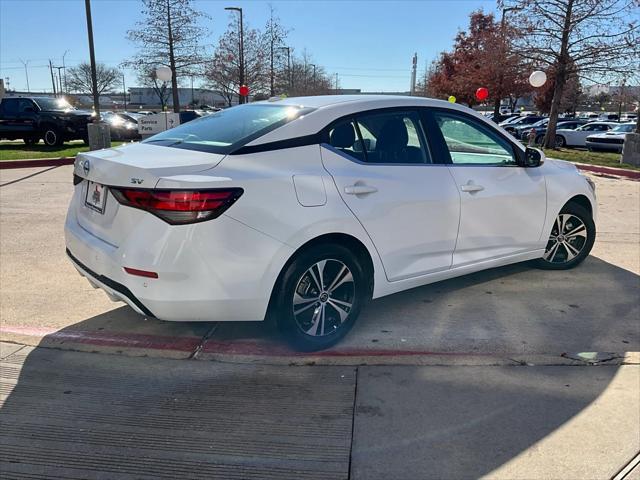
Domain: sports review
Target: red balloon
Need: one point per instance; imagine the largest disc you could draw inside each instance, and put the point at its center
(482, 94)
(244, 90)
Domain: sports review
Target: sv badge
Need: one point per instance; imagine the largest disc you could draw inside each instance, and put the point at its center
(137, 181)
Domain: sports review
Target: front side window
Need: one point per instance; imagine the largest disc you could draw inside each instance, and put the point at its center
(470, 143)
(26, 106)
(226, 130)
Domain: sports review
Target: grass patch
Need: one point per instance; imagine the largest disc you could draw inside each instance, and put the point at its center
(17, 150)
(605, 159)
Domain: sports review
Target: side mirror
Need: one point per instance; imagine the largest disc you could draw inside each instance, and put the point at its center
(533, 157)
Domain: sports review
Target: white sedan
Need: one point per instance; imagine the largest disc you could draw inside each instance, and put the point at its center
(303, 209)
(578, 137)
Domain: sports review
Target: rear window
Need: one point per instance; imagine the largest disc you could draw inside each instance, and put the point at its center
(227, 130)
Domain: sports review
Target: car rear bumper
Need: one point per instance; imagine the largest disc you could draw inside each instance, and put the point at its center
(219, 270)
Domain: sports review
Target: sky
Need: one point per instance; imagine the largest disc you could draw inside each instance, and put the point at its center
(369, 44)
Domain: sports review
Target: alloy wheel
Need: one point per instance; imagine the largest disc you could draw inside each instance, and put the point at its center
(568, 238)
(323, 297)
(50, 137)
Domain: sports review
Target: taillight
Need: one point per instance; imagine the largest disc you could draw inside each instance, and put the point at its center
(179, 207)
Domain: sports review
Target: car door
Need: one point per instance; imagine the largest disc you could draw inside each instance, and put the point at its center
(27, 116)
(9, 120)
(385, 174)
(503, 205)
(579, 136)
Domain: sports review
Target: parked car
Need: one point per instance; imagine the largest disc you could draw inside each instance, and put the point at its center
(303, 209)
(502, 117)
(53, 120)
(123, 126)
(578, 137)
(612, 140)
(188, 115)
(522, 121)
(522, 131)
(541, 130)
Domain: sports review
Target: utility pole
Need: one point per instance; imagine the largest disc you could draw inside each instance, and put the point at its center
(92, 55)
(26, 73)
(53, 79)
(289, 77)
(192, 97)
(412, 90)
(241, 99)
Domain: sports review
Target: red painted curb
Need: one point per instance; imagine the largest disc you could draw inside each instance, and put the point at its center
(622, 172)
(44, 162)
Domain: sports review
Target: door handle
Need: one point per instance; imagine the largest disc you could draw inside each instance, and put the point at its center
(359, 189)
(471, 188)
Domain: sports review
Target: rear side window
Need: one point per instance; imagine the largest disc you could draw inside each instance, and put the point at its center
(471, 143)
(382, 138)
(226, 130)
(9, 106)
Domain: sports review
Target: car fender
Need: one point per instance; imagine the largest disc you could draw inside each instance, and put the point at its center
(564, 182)
(270, 203)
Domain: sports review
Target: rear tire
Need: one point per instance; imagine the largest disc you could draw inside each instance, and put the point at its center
(560, 141)
(572, 237)
(319, 297)
(30, 140)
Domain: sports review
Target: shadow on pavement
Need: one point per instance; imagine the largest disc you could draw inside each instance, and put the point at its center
(78, 415)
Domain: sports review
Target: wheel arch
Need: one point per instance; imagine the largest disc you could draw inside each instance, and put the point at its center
(339, 238)
(581, 200)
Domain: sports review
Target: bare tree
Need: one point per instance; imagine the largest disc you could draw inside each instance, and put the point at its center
(591, 38)
(79, 78)
(275, 34)
(169, 35)
(149, 79)
(224, 72)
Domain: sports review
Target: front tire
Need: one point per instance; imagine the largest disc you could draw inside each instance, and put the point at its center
(30, 141)
(319, 297)
(571, 239)
(52, 137)
(561, 142)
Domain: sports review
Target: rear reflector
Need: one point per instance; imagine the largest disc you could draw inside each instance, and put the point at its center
(179, 207)
(140, 273)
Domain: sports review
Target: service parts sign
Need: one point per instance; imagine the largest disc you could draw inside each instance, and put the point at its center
(158, 122)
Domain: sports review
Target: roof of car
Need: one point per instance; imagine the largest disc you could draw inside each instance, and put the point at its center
(328, 100)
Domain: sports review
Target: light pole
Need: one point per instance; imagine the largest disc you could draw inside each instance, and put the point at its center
(92, 56)
(290, 77)
(503, 54)
(124, 91)
(26, 72)
(241, 99)
(64, 71)
(313, 79)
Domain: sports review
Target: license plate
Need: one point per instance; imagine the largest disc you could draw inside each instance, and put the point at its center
(96, 196)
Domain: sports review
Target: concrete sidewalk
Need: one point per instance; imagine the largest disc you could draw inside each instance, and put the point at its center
(80, 415)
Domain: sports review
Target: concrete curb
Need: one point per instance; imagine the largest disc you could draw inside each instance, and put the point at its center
(621, 172)
(41, 162)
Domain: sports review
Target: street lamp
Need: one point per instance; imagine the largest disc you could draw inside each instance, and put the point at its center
(288, 66)
(239, 10)
(313, 79)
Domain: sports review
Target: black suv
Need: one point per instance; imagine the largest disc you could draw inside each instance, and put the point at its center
(50, 119)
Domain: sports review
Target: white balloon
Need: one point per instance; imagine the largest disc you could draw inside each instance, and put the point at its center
(537, 78)
(163, 74)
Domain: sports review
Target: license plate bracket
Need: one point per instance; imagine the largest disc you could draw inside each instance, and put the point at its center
(96, 197)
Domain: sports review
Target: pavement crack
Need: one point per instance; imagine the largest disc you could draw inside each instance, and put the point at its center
(353, 421)
(203, 340)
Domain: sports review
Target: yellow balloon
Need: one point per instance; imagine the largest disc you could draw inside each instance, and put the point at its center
(452, 99)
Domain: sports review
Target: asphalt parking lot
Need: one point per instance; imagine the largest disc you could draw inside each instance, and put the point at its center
(484, 375)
